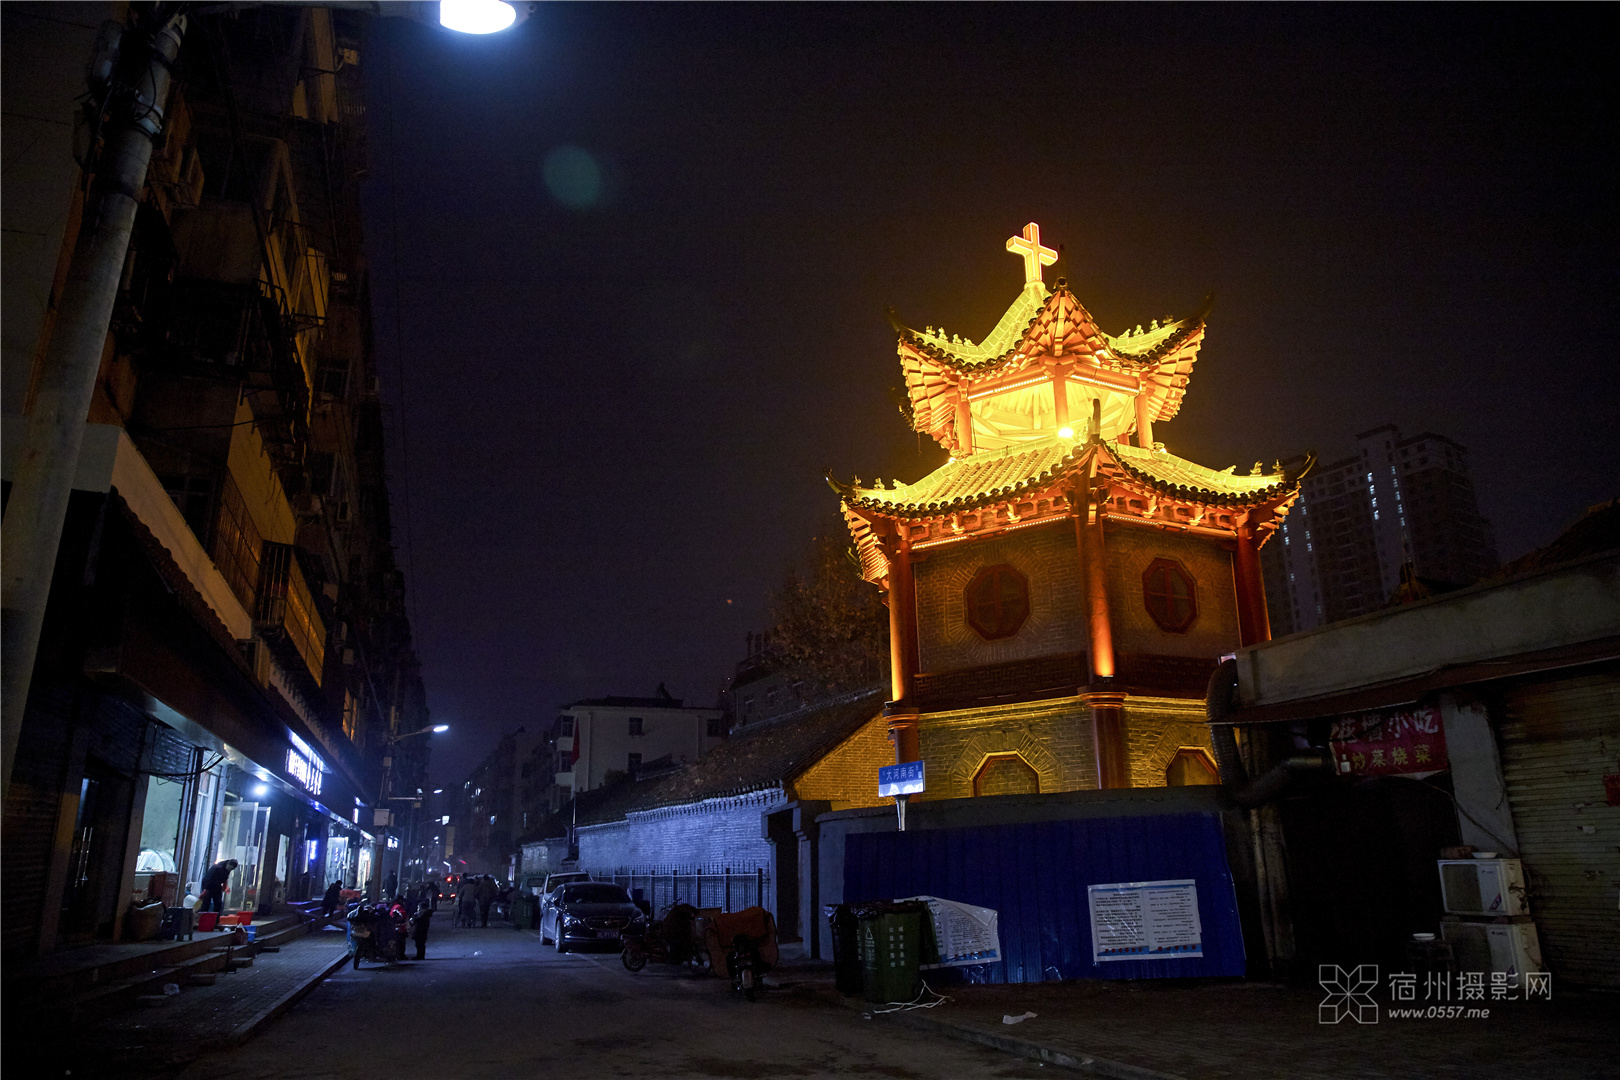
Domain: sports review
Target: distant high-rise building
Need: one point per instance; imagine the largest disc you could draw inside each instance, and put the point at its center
(1360, 519)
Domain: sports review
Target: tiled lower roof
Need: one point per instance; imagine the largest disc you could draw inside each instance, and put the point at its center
(757, 757)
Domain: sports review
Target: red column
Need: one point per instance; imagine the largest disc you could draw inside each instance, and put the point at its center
(901, 712)
(1108, 737)
(1107, 705)
(1088, 531)
(1144, 420)
(964, 425)
(1254, 622)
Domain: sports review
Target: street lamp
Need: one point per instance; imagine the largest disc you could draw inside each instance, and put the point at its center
(476, 16)
(436, 729)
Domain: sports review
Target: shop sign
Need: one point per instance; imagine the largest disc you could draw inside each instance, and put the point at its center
(304, 770)
(1389, 742)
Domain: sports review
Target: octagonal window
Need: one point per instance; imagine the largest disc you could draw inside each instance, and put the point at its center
(1170, 595)
(997, 601)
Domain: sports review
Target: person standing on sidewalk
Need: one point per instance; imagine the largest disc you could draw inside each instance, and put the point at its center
(419, 927)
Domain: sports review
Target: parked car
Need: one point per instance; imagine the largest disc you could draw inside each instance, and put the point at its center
(586, 913)
(554, 880)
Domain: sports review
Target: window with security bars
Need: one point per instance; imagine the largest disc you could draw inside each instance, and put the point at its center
(997, 601)
(1170, 595)
(286, 601)
(238, 547)
(351, 717)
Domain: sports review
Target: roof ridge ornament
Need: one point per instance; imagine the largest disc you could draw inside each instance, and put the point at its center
(1028, 244)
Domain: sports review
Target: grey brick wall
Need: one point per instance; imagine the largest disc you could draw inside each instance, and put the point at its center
(715, 834)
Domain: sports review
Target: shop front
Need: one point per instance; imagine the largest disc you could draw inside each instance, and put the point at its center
(268, 812)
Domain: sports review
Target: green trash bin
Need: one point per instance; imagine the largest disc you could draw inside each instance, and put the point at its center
(523, 912)
(889, 945)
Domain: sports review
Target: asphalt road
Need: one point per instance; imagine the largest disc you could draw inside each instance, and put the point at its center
(496, 1003)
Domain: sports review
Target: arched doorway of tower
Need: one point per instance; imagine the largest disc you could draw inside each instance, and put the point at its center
(1191, 766)
(1006, 774)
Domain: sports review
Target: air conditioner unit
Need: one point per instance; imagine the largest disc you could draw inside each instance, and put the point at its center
(1482, 886)
(1509, 947)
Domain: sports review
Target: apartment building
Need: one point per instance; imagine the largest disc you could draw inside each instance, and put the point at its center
(1395, 502)
(226, 667)
(596, 737)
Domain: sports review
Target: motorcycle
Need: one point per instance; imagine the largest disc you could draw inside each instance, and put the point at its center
(673, 939)
(745, 965)
(374, 936)
(742, 947)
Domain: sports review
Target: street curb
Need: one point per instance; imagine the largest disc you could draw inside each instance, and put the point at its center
(1025, 1048)
(1085, 1063)
(249, 1028)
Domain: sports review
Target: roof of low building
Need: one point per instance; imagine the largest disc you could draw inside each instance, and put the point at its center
(758, 757)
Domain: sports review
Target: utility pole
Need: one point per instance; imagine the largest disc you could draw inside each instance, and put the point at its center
(133, 93)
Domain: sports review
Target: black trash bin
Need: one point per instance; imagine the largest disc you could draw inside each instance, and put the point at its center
(847, 975)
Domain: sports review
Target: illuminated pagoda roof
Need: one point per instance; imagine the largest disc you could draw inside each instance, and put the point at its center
(1016, 488)
(1004, 377)
(1044, 407)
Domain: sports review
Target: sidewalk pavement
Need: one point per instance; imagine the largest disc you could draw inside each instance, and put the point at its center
(1230, 1030)
(156, 1039)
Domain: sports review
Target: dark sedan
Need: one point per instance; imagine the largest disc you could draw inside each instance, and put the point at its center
(586, 912)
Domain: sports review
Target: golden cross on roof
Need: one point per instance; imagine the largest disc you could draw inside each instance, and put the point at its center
(1028, 244)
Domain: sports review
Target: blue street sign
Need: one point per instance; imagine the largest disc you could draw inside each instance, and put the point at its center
(906, 778)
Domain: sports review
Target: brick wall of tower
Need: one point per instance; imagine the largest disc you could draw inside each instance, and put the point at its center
(847, 777)
(1129, 551)
(1054, 738)
(1044, 554)
(1155, 729)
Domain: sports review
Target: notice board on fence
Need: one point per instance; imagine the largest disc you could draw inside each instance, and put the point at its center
(965, 933)
(1145, 920)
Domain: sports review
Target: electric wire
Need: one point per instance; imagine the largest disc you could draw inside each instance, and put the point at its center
(915, 1003)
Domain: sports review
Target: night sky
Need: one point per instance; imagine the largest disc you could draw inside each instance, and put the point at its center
(643, 255)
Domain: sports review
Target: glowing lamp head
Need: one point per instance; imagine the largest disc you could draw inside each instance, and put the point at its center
(439, 729)
(476, 16)
(260, 790)
(1065, 432)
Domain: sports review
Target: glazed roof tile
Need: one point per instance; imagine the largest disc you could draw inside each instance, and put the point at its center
(1167, 470)
(961, 484)
(994, 476)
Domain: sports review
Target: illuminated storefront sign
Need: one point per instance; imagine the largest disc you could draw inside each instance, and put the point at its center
(305, 770)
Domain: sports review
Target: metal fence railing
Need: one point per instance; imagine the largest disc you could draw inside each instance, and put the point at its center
(728, 890)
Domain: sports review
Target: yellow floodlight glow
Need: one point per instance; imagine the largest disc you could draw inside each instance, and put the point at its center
(1065, 432)
(476, 16)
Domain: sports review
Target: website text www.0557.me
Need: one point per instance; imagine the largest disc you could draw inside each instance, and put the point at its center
(1350, 993)
(1440, 1012)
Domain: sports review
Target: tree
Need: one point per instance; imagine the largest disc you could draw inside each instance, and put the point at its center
(831, 630)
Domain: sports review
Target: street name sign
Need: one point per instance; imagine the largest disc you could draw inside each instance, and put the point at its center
(907, 778)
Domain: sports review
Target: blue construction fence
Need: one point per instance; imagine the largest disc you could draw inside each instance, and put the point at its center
(1036, 875)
